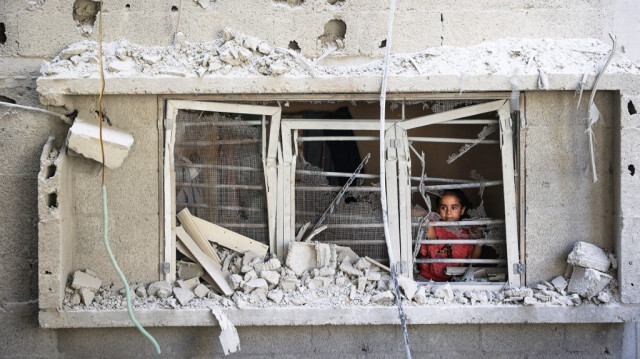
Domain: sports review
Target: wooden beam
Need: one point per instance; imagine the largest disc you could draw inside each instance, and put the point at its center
(229, 239)
(208, 264)
(187, 221)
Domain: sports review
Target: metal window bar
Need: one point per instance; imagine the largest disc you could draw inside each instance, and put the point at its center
(414, 139)
(461, 260)
(459, 186)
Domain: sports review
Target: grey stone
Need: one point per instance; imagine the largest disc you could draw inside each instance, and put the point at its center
(188, 270)
(84, 280)
(271, 276)
(348, 269)
(301, 257)
(235, 281)
(409, 287)
(559, 283)
(346, 253)
(189, 284)
(383, 297)
(518, 292)
(362, 264)
(362, 284)
(255, 284)
(587, 282)
(604, 297)
(590, 256)
(250, 275)
(289, 283)
(444, 292)
(270, 265)
(183, 296)
(163, 293)
(421, 296)
(75, 298)
(326, 255)
(141, 291)
(156, 286)
(201, 291)
(530, 301)
(86, 295)
(275, 295)
(320, 282)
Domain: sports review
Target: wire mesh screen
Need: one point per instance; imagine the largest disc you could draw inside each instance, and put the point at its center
(219, 171)
(356, 220)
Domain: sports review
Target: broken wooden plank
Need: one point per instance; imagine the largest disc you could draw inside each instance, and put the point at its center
(186, 219)
(451, 115)
(229, 239)
(208, 264)
(377, 264)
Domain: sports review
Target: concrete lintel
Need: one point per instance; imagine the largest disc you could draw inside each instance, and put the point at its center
(53, 89)
(286, 316)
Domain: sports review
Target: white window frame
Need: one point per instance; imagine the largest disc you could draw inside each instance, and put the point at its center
(279, 162)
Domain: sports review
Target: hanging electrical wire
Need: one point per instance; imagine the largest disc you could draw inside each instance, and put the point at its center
(105, 214)
(383, 195)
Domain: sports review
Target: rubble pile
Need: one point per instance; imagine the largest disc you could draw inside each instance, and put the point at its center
(320, 274)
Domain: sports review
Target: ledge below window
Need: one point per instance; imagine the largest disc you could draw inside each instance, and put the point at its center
(286, 316)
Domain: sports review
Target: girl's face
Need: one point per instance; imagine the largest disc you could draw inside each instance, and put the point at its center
(450, 208)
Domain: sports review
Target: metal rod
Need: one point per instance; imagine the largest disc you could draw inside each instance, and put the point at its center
(219, 167)
(479, 222)
(461, 260)
(336, 174)
(220, 123)
(444, 180)
(243, 225)
(355, 242)
(462, 241)
(231, 208)
(415, 139)
(460, 185)
(453, 122)
(211, 185)
(336, 188)
(218, 142)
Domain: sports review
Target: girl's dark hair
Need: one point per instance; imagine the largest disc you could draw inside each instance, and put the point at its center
(464, 201)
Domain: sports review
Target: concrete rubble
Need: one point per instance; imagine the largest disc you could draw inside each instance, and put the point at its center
(313, 277)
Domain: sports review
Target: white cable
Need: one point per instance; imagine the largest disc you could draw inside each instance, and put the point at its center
(64, 118)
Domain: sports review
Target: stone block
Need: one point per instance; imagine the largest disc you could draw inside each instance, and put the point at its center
(84, 138)
(270, 265)
(86, 295)
(385, 297)
(272, 277)
(409, 287)
(325, 255)
(588, 255)
(255, 284)
(559, 283)
(201, 291)
(184, 296)
(188, 284)
(444, 292)
(628, 253)
(83, 280)
(320, 282)
(346, 253)
(235, 281)
(301, 257)
(188, 270)
(156, 286)
(587, 282)
(348, 269)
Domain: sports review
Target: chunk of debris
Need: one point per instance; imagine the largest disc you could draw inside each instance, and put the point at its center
(362, 264)
(228, 334)
(362, 284)
(163, 293)
(84, 280)
(587, 282)
(189, 284)
(188, 270)
(588, 255)
(378, 264)
(518, 292)
(84, 138)
(271, 276)
(289, 283)
(156, 286)
(385, 297)
(201, 291)
(235, 281)
(141, 291)
(444, 292)
(348, 269)
(301, 257)
(255, 284)
(275, 295)
(75, 298)
(604, 297)
(183, 296)
(346, 253)
(421, 295)
(559, 283)
(530, 301)
(325, 255)
(409, 287)
(270, 265)
(87, 296)
(230, 239)
(320, 282)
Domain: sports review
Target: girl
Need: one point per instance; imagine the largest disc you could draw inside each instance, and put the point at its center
(451, 207)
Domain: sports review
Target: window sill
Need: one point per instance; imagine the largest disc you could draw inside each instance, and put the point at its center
(369, 315)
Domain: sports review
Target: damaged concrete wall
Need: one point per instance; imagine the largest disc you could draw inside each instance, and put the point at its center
(563, 205)
(27, 37)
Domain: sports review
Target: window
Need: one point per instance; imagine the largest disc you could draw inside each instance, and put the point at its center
(266, 171)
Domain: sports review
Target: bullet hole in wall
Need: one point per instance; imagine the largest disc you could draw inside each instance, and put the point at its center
(293, 45)
(52, 200)
(383, 44)
(334, 32)
(127, 6)
(291, 2)
(50, 172)
(3, 34)
(333, 2)
(632, 169)
(631, 108)
(174, 8)
(7, 99)
(84, 14)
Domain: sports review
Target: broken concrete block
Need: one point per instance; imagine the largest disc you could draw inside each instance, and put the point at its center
(270, 265)
(141, 291)
(518, 293)
(289, 283)
(84, 280)
(530, 301)
(409, 287)
(301, 257)
(163, 293)
(183, 296)
(346, 253)
(559, 283)
(575, 298)
(587, 282)
(543, 298)
(348, 269)
(385, 297)
(255, 284)
(86, 295)
(373, 276)
(201, 291)
(228, 334)
(235, 281)
(362, 264)
(326, 255)
(326, 272)
(320, 282)
(444, 292)
(421, 295)
(84, 138)
(275, 295)
(155, 286)
(362, 284)
(271, 276)
(75, 298)
(604, 297)
(189, 284)
(250, 275)
(188, 270)
(588, 255)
